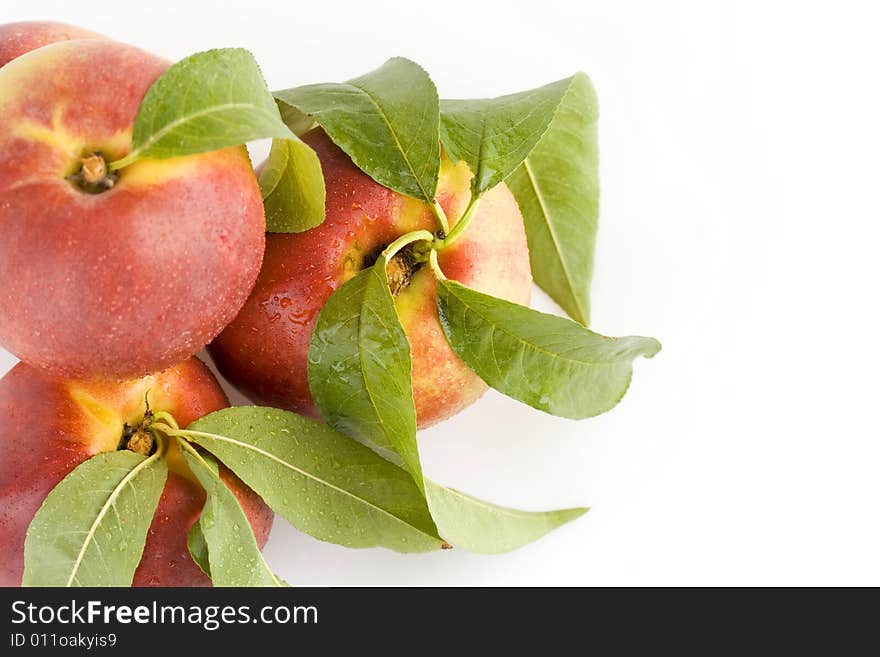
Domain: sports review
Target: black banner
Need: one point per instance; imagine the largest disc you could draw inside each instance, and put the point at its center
(107, 620)
(386, 620)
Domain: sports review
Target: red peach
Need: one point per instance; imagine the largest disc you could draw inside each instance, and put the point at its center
(264, 350)
(137, 277)
(51, 425)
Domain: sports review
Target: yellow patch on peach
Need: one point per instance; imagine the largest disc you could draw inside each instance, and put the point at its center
(177, 463)
(73, 146)
(454, 177)
(108, 407)
(147, 172)
(413, 298)
(410, 213)
(103, 422)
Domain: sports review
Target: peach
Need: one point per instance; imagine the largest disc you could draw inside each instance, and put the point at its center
(264, 350)
(51, 425)
(106, 275)
(18, 38)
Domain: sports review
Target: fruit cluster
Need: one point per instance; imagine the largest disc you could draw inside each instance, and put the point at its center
(372, 277)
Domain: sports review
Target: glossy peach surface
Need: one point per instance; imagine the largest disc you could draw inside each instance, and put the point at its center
(131, 280)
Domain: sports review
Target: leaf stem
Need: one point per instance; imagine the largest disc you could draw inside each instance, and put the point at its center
(131, 158)
(462, 223)
(167, 418)
(403, 240)
(435, 266)
(167, 430)
(441, 216)
(185, 446)
(163, 447)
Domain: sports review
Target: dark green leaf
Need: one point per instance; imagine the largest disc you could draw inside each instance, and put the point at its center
(557, 189)
(386, 121)
(234, 557)
(548, 362)
(494, 135)
(91, 529)
(322, 482)
(360, 369)
(484, 528)
(293, 187)
(205, 102)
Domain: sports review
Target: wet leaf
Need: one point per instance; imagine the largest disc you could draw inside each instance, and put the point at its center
(494, 135)
(550, 363)
(386, 121)
(91, 529)
(321, 481)
(233, 556)
(360, 369)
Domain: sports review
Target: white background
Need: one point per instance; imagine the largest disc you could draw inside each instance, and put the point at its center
(739, 166)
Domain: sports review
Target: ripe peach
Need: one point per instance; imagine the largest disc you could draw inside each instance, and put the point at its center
(264, 350)
(105, 276)
(18, 38)
(51, 425)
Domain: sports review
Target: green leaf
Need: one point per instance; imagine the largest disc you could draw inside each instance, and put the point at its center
(198, 548)
(484, 528)
(557, 189)
(293, 187)
(550, 363)
(360, 369)
(494, 135)
(386, 121)
(98, 539)
(205, 102)
(322, 482)
(234, 557)
(298, 122)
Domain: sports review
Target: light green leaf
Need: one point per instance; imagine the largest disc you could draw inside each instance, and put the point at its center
(550, 363)
(298, 122)
(322, 482)
(97, 540)
(484, 528)
(360, 369)
(494, 135)
(557, 189)
(386, 121)
(198, 548)
(234, 557)
(205, 102)
(293, 187)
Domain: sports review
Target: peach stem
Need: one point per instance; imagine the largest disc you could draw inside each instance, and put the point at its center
(461, 224)
(167, 418)
(403, 240)
(435, 266)
(94, 169)
(441, 217)
(125, 161)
